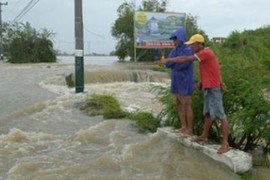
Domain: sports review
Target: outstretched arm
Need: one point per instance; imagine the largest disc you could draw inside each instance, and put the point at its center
(179, 59)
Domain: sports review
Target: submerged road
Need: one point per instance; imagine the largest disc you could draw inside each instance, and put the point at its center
(19, 86)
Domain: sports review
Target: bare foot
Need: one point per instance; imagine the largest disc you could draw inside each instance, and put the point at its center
(200, 139)
(187, 133)
(176, 130)
(181, 130)
(223, 149)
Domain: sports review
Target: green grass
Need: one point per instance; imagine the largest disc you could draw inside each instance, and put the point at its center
(109, 107)
(105, 105)
(246, 176)
(145, 122)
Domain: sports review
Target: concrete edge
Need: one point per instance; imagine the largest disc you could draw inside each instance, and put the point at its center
(238, 161)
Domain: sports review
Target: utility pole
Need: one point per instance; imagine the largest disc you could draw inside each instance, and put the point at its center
(79, 54)
(1, 37)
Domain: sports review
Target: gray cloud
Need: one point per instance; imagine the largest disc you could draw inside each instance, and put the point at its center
(216, 17)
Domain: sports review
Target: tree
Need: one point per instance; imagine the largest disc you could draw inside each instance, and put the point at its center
(123, 31)
(153, 5)
(192, 26)
(43, 51)
(24, 43)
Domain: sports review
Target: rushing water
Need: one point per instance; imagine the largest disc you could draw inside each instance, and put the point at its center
(44, 136)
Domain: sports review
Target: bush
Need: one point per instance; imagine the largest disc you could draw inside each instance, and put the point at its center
(24, 44)
(109, 107)
(19, 51)
(104, 105)
(145, 122)
(245, 103)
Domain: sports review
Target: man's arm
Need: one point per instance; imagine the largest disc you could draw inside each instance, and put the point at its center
(179, 59)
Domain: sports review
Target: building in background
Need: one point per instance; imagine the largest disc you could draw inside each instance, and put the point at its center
(218, 40)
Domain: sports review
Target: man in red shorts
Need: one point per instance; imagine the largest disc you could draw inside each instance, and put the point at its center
(211, 83)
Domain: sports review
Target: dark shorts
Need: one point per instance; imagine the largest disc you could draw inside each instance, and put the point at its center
(213, 105)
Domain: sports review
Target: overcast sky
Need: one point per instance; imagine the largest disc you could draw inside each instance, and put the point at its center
(215, 17)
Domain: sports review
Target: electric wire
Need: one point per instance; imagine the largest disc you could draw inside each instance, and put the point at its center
(26, 9)
(93, 33)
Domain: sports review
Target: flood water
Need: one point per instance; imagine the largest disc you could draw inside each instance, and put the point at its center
(44, 136)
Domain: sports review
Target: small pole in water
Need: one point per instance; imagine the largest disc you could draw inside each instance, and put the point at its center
(79, 57)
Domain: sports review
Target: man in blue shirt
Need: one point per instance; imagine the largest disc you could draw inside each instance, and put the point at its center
(182, 81)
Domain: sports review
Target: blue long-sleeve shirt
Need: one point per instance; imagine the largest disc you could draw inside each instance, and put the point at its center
(182, 80)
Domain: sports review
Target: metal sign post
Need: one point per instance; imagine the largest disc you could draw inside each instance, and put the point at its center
(79, 54)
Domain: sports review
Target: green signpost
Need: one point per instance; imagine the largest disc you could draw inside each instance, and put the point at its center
(79, 56)
(79, 73)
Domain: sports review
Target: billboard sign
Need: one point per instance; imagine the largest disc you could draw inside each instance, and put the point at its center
(153, 30)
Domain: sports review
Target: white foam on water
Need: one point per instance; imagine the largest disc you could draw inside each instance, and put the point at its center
(132, 96)
(111, 149)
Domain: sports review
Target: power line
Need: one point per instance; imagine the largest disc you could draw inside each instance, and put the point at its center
(93, 32)
(26, 9)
